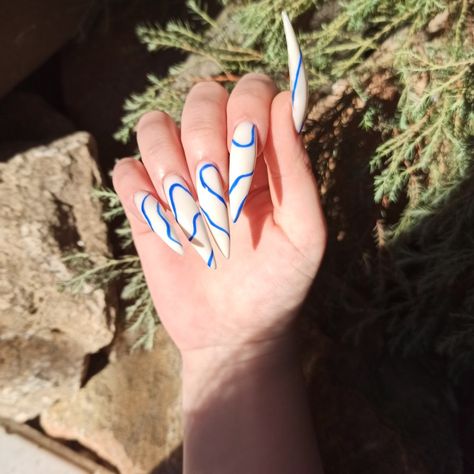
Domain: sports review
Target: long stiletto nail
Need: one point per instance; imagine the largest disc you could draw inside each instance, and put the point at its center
(298, 80)
(213, 205)
(189, 217)
(155, 217)
(243, 153)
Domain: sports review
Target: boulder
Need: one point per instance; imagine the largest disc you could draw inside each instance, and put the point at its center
(28, 120)
(129, 413)
(31, 31)
(46, 333)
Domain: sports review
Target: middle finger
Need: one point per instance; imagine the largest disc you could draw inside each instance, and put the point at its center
(203, 136)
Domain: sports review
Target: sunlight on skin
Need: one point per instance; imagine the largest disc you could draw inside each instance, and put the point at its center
(232, 324)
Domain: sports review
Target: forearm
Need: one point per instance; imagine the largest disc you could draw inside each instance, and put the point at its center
(245, 411)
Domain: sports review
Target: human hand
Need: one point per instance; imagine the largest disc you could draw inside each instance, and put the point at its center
(276, 243)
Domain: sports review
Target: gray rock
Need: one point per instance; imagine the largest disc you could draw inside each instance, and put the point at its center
(129, 413)
(45, 333)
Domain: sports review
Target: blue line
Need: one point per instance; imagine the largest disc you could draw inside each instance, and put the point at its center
(236, 180)
(240, 209)
(211, 257)
(194, 226)
(300, 61)
(170, 192)
(246, 145)
(206, 186)
(142, 207)
(211, 222)
(168, 227)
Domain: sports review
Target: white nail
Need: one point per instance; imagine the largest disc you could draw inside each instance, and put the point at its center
(155, 217)
(298, 80)
(189, 217)
(213, 205)
(243, 153)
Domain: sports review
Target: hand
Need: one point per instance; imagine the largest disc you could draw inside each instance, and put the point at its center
(277, 243)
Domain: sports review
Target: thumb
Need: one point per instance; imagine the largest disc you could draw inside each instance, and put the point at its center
(296, 205)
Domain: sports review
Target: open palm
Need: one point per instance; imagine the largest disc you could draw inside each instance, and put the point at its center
(276, 243)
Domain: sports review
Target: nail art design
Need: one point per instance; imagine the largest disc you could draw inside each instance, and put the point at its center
(155, 217)
(213, 205)
(243, 153)
(298, 80)
(189, 217)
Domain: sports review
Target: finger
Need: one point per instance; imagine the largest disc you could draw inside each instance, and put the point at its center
(145, 214)
(248, 118)
(296, 206)
(203, 135)
(298, 80)
(160, 149)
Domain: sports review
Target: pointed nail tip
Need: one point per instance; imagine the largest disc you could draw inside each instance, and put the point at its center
(225, 251)
(223, 246)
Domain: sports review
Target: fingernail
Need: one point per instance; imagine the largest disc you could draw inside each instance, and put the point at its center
(188, 216)
(154, 215)
(298, 80)
(213, 205)
(243, 153)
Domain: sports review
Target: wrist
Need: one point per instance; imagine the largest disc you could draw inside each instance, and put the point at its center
(226, 369)
(240, 356)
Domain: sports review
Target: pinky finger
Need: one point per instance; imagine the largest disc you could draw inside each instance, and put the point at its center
(144, 212)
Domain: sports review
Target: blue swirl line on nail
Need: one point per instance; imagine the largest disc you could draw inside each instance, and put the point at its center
(170, 192)
(213, 224)
(167, 224)
(298, 69)
(206, 186)
(142, 207)
(236, 180)
(239, 210)
(246, 145)
(191, 237)
(211, 258)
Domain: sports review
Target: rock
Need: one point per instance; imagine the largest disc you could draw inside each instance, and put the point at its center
(129, 413)
(24, 449)
(45, 333)
(31, 31)
(95, 81)
(27, 120)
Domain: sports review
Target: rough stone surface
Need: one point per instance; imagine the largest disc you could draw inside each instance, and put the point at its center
(28, 120)
(129, 413)
(46, 333)
(93, 77)
(31, 31)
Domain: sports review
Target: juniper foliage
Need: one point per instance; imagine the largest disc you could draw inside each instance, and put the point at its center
(425, 156)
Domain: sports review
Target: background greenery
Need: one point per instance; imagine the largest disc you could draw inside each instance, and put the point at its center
(393, 155)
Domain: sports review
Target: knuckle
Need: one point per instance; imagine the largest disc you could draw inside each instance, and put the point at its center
(257, 77)
(119, 173)
(156, 148)
(152, 119)
(200, 131)
(211, 90)
(254, 87)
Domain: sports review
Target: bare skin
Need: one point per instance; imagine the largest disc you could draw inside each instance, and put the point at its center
(244, 405)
